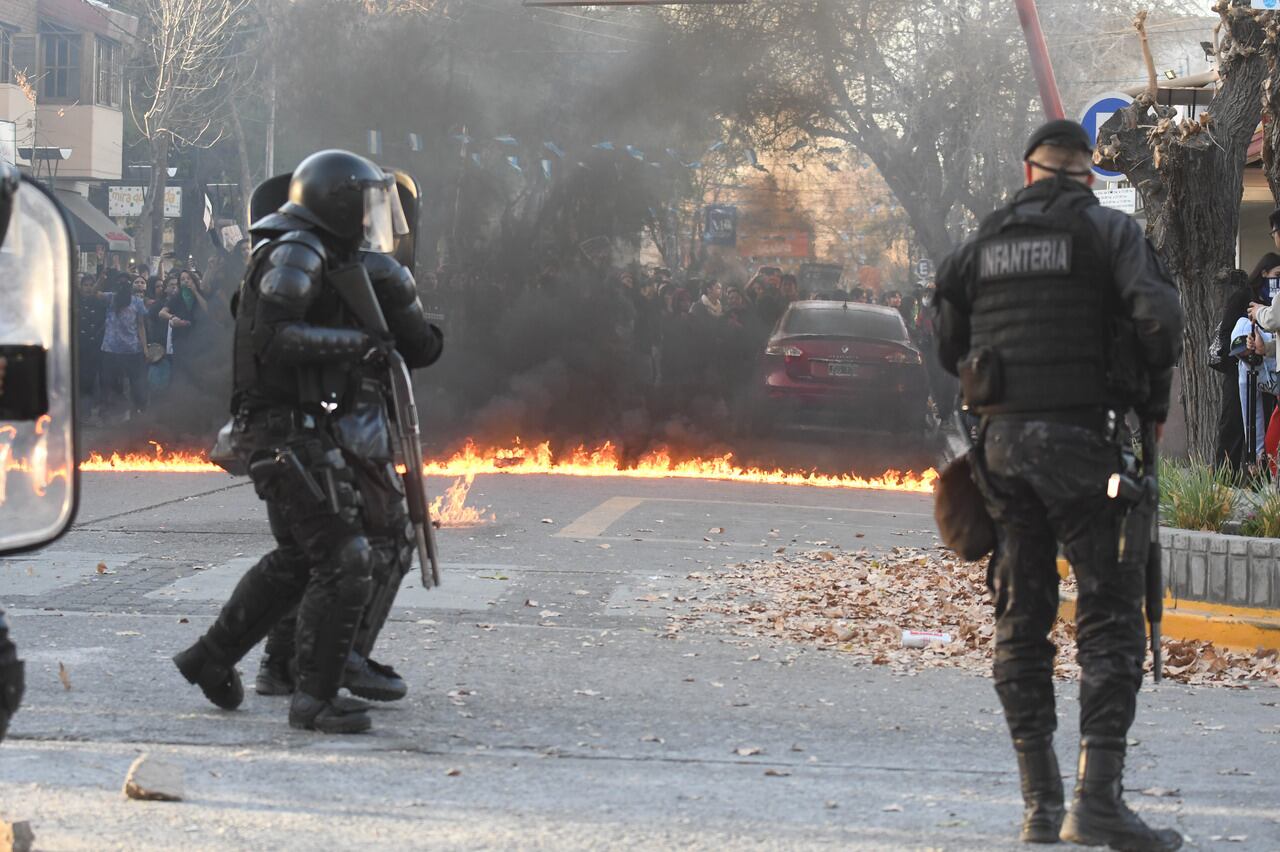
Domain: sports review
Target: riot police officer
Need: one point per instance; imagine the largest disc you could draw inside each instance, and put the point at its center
(386, 521)
(1028, 314)
(310, 424)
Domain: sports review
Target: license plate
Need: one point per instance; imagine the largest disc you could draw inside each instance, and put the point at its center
(846, 370)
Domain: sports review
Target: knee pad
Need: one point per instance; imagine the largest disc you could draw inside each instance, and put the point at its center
(354, 560)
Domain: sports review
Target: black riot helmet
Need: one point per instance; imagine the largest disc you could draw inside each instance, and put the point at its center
(346, 196)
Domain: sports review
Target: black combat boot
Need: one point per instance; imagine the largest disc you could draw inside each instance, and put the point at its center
(336, 716)
(275, 676)
(12, 685)
(202, 665)
(372, 680)
(1041, 790)
(1099, 816)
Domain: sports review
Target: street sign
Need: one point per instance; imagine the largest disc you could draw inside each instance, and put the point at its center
(1096, 113)
(721, 225)
(1124, 200)
(924, 268)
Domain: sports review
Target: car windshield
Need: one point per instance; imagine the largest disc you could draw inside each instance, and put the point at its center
(846, 323)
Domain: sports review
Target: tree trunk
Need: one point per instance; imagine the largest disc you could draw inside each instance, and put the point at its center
(1191, 178)
(152, 230)
(246, 173)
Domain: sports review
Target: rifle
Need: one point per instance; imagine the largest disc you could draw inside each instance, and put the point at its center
(1139, 488)
(353, 285)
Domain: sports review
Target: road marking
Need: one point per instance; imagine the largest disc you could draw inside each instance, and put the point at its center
(600, 518)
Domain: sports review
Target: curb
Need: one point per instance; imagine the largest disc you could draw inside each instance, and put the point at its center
(1236, 627)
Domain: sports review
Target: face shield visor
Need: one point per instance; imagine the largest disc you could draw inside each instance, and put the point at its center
(381, 205)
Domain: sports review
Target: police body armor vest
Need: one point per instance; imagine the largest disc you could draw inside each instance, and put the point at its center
(1042, 299)
(256, 383)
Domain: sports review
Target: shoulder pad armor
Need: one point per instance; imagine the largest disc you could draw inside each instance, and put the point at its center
(292, 271)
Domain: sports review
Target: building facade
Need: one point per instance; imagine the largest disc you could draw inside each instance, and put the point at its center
(61, 100)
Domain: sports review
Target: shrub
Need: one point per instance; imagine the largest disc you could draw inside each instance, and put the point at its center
(1263, 521)
(1194, 496)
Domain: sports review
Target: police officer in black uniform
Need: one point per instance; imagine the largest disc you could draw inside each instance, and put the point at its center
(1029, 313)
(386, 515)
(311, 424)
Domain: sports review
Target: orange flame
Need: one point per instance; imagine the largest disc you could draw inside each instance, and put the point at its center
(605, 460)
(450, 509)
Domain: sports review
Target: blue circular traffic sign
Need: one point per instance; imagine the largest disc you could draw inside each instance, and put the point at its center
(1096, 113)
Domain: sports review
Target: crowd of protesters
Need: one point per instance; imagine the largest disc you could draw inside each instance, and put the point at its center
(141, 335)
(625, 339)
(578, 347)
(1244, 352)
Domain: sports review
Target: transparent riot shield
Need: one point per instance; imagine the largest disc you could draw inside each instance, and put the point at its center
(38, 448)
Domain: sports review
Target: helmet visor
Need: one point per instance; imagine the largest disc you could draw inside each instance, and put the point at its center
(379, 220)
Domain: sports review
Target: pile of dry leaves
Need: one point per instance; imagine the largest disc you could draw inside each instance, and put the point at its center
(861, 602)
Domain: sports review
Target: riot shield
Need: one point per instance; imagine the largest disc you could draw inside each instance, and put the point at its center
(39, 478)
(411, 203)
(269, 196)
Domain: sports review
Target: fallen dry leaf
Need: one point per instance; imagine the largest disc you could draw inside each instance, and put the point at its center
(860, 601)
(747, 751)
(1159, 792)
(102, 567)
(64, 676)
(453, 772)
(776, 773)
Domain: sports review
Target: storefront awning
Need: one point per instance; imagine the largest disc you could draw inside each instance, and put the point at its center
(93, 228)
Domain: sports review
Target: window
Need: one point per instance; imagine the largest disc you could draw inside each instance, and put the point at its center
(59, 62)
(852, 321)
(107, 81)
(6, 55)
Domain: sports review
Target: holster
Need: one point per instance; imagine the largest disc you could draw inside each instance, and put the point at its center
(285, 466)
(981, 378)
(1135, 534)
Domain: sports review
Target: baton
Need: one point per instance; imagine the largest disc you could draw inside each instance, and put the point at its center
(1155, 566)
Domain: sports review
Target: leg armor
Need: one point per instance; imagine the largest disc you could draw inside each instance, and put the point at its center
(387, 522)
(12, 680)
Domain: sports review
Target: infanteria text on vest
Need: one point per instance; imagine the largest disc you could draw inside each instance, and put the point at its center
(1014, 258)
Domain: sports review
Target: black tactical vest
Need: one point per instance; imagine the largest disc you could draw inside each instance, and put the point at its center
(1042, 298)
(257, 383)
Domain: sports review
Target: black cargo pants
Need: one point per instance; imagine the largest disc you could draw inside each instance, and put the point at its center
(1046, 484)
(322, 562)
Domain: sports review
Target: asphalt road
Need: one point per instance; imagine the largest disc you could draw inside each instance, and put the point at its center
(549, 708)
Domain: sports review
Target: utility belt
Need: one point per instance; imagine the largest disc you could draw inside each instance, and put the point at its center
(1105, 421)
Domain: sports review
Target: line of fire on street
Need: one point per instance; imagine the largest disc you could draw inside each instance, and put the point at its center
(605, 460)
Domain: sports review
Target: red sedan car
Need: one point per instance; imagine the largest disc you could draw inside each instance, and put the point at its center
(843, 364)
